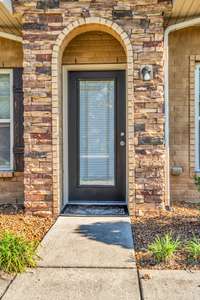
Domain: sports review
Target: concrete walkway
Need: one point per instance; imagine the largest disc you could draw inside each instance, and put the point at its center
(83, 258)
(170, 284)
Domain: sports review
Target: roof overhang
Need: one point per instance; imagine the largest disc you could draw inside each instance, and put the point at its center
(10, 23)
(185, 9)
(7, 4)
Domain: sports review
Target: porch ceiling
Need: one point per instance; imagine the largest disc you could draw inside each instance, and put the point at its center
(184, 9)
(9, 23)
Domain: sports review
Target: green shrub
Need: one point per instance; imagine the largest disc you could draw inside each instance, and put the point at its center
(16, 253)
(193, 249)
(197, 182)
(163, 248)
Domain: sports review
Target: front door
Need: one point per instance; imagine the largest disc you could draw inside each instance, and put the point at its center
(97, 136)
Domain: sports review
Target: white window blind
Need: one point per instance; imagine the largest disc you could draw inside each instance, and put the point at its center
(6, 110)
(97, 132)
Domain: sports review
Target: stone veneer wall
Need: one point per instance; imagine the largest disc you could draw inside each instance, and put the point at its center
(182, 62)
(139, 26)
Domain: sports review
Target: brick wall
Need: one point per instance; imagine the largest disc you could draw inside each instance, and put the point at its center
(182, 107)
(139, 26)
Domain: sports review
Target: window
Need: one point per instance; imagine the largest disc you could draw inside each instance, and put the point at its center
(6, 120)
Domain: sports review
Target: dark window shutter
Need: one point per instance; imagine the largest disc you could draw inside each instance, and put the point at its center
(18, 119)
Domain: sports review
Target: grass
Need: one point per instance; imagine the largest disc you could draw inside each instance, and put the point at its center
(16, 253)
(163, 248)
(193, 249)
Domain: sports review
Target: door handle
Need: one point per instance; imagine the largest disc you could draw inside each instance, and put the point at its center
(122, 143)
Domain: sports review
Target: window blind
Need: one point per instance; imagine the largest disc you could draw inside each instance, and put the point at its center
(97, 132)
(5, 121)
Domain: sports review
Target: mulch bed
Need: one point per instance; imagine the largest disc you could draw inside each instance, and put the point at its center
(182, 222)
(14, 220)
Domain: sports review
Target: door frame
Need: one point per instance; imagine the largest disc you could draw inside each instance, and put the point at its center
(65, 170)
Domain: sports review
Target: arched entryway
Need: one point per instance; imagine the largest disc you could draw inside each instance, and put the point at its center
(91, 49)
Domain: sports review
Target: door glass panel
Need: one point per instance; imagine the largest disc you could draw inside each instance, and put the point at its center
(97, 132)
(4, 96)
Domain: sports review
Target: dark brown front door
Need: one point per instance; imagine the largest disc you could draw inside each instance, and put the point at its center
(97, 136)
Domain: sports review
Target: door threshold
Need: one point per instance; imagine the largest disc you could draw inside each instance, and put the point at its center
(97, 203)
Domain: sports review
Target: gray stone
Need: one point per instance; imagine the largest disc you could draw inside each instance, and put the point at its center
(148, 140)
(139, 127)
(170, 284)
(75, 284)
(48, 4)
(35, 26)
(122, 13)
(88, 242)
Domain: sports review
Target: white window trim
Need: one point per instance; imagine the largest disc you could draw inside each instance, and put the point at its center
(197, 117)
(10, 121)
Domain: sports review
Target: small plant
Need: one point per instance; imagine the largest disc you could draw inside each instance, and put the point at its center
(193, 249)
(163, 248)
(197, 182)
(16, 253)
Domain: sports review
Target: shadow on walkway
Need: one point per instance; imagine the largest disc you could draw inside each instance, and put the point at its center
(111, 233)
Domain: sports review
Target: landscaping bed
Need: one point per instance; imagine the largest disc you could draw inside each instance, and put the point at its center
(20, 235)
(30, 227)
(182, 223)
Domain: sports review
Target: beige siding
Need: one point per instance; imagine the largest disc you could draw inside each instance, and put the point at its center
(184, 45)
(12, 188)
(11, 54)
(94, 47)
